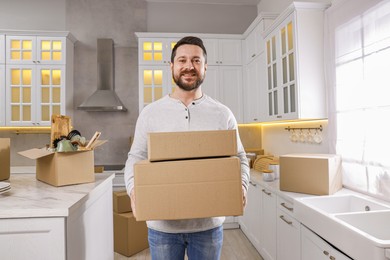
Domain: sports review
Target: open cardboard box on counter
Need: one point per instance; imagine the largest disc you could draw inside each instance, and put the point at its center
(64, 168)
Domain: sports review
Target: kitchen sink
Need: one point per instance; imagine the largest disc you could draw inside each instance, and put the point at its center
(343, 204)
(358, 225)
(375, 224)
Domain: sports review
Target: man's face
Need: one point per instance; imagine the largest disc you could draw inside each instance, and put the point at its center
(188, 67)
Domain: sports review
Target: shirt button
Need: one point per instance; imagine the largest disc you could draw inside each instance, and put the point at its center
(193, 103)
(186, 109)
(186, 117)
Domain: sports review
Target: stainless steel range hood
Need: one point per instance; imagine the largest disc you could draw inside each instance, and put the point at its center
(104, 98)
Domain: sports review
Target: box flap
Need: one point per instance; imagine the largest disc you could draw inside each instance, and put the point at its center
(35, 153)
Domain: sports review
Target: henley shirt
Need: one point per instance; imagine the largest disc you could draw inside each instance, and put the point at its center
(171, 115)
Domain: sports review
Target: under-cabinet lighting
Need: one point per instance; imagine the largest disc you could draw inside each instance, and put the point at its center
(26, 130)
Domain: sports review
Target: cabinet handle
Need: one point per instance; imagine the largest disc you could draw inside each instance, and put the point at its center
(254, 119)
(253, 184)
(267, 192)
(326, 252)
(332, 258)
(278, 116)
(285, 206)
(285, 220)
(253, 55)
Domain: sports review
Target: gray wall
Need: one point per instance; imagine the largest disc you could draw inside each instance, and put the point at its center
(199, 18)
(88, 20)
(279, 5)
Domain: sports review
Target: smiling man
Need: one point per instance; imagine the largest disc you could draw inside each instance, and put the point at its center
(186, 109)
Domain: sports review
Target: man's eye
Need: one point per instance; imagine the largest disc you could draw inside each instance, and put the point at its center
(197, 60)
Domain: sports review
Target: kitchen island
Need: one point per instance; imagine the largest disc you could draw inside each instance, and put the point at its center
(40, 221)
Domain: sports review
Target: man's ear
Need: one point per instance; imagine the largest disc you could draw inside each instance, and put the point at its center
(205, 67)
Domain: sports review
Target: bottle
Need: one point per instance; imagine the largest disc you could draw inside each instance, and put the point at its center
(274, 166)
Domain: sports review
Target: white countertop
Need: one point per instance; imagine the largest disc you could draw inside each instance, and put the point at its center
(29, 197)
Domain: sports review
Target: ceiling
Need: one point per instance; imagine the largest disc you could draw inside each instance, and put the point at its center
(230, 2)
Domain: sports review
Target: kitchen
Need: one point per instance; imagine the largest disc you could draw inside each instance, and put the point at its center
(120, 20)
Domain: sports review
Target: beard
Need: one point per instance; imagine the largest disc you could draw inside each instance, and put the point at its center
(185, 85)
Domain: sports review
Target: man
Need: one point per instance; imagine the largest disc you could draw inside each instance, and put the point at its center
(187, 109)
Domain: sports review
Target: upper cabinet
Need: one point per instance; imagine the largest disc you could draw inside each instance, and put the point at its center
(295, 86)
(223, 51)
(36, 80)
(254, 41)
(155, 51)
(2, 80)
(2, 49)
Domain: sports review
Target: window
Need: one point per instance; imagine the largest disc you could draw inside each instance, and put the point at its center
(360, 93)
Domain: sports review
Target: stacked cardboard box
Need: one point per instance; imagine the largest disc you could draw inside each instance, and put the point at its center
(189, 175)
(5, 159)
(130, 236)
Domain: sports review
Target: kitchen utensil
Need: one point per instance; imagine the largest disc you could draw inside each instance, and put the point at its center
(93, 140)
(317, 137)
(65, 146)
(293, 136)
(262, 161)
(60, 126)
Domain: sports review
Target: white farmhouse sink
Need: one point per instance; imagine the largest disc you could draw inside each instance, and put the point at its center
(343, 204)
(374, 224)
(357, 225)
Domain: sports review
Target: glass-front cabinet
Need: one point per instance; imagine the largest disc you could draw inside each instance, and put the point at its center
(2, 79)
(156, 51)
(37, 79)
(295, 64)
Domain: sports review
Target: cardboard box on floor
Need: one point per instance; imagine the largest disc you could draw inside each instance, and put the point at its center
(317, 174)
(63, 168)
(121, 202)
(191, 144)
(186, 189)
(130, 236)
(5, 158)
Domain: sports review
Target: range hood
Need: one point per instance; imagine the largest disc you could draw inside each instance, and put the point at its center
(104, 98)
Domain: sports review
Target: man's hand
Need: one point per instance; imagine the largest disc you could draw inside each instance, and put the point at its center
(244, 198)
(132, 200)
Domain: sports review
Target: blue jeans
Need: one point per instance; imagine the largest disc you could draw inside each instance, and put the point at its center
(205, 245)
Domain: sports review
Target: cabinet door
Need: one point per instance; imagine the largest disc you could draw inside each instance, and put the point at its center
(251, 220)
(51, 50)
(155, 51)
(230, 89)
(250, 46)
(33, 238)
(288, 234)
(272, 77)
(154, 83)
(254, 83)
(223, 51)
(2, 49)
(2, 95)
(50, 97)
(268, 225)
(21, 50)
(21, 91)
(210, 84)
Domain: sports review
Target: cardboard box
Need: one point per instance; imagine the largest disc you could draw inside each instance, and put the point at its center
(5, 158)
(60, 169)
(192, 144)
(186, 189)
(121, 202)
(130, 236)
(317, 174)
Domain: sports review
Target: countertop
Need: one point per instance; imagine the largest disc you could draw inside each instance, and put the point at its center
(29, 197)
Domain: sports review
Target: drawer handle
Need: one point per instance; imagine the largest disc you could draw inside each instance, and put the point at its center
(332, 258)
(287, 207)
(267, 192)
(326, 252)
(253, 184)
(285, 220)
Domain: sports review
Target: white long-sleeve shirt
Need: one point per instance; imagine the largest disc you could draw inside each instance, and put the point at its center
(171, 115)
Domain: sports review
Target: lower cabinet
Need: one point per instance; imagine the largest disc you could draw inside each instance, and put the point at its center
(268, 225)
(288, 232)
(314, 247)
(250, 222)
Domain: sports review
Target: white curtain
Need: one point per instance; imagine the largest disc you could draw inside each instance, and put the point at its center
(358, 73)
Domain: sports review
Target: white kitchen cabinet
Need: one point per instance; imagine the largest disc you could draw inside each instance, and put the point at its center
(254, 41)
(250, 222)
(2, 49)
(314, 247)
(253, 83)
(2, 94)
(38, 221)
(295, 64)
(268, 225)
(223, 51)
(288, 232)
(224, 83)
(155, 51)
(39, 77)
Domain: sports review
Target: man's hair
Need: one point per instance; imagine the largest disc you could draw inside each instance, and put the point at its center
(191, 40)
